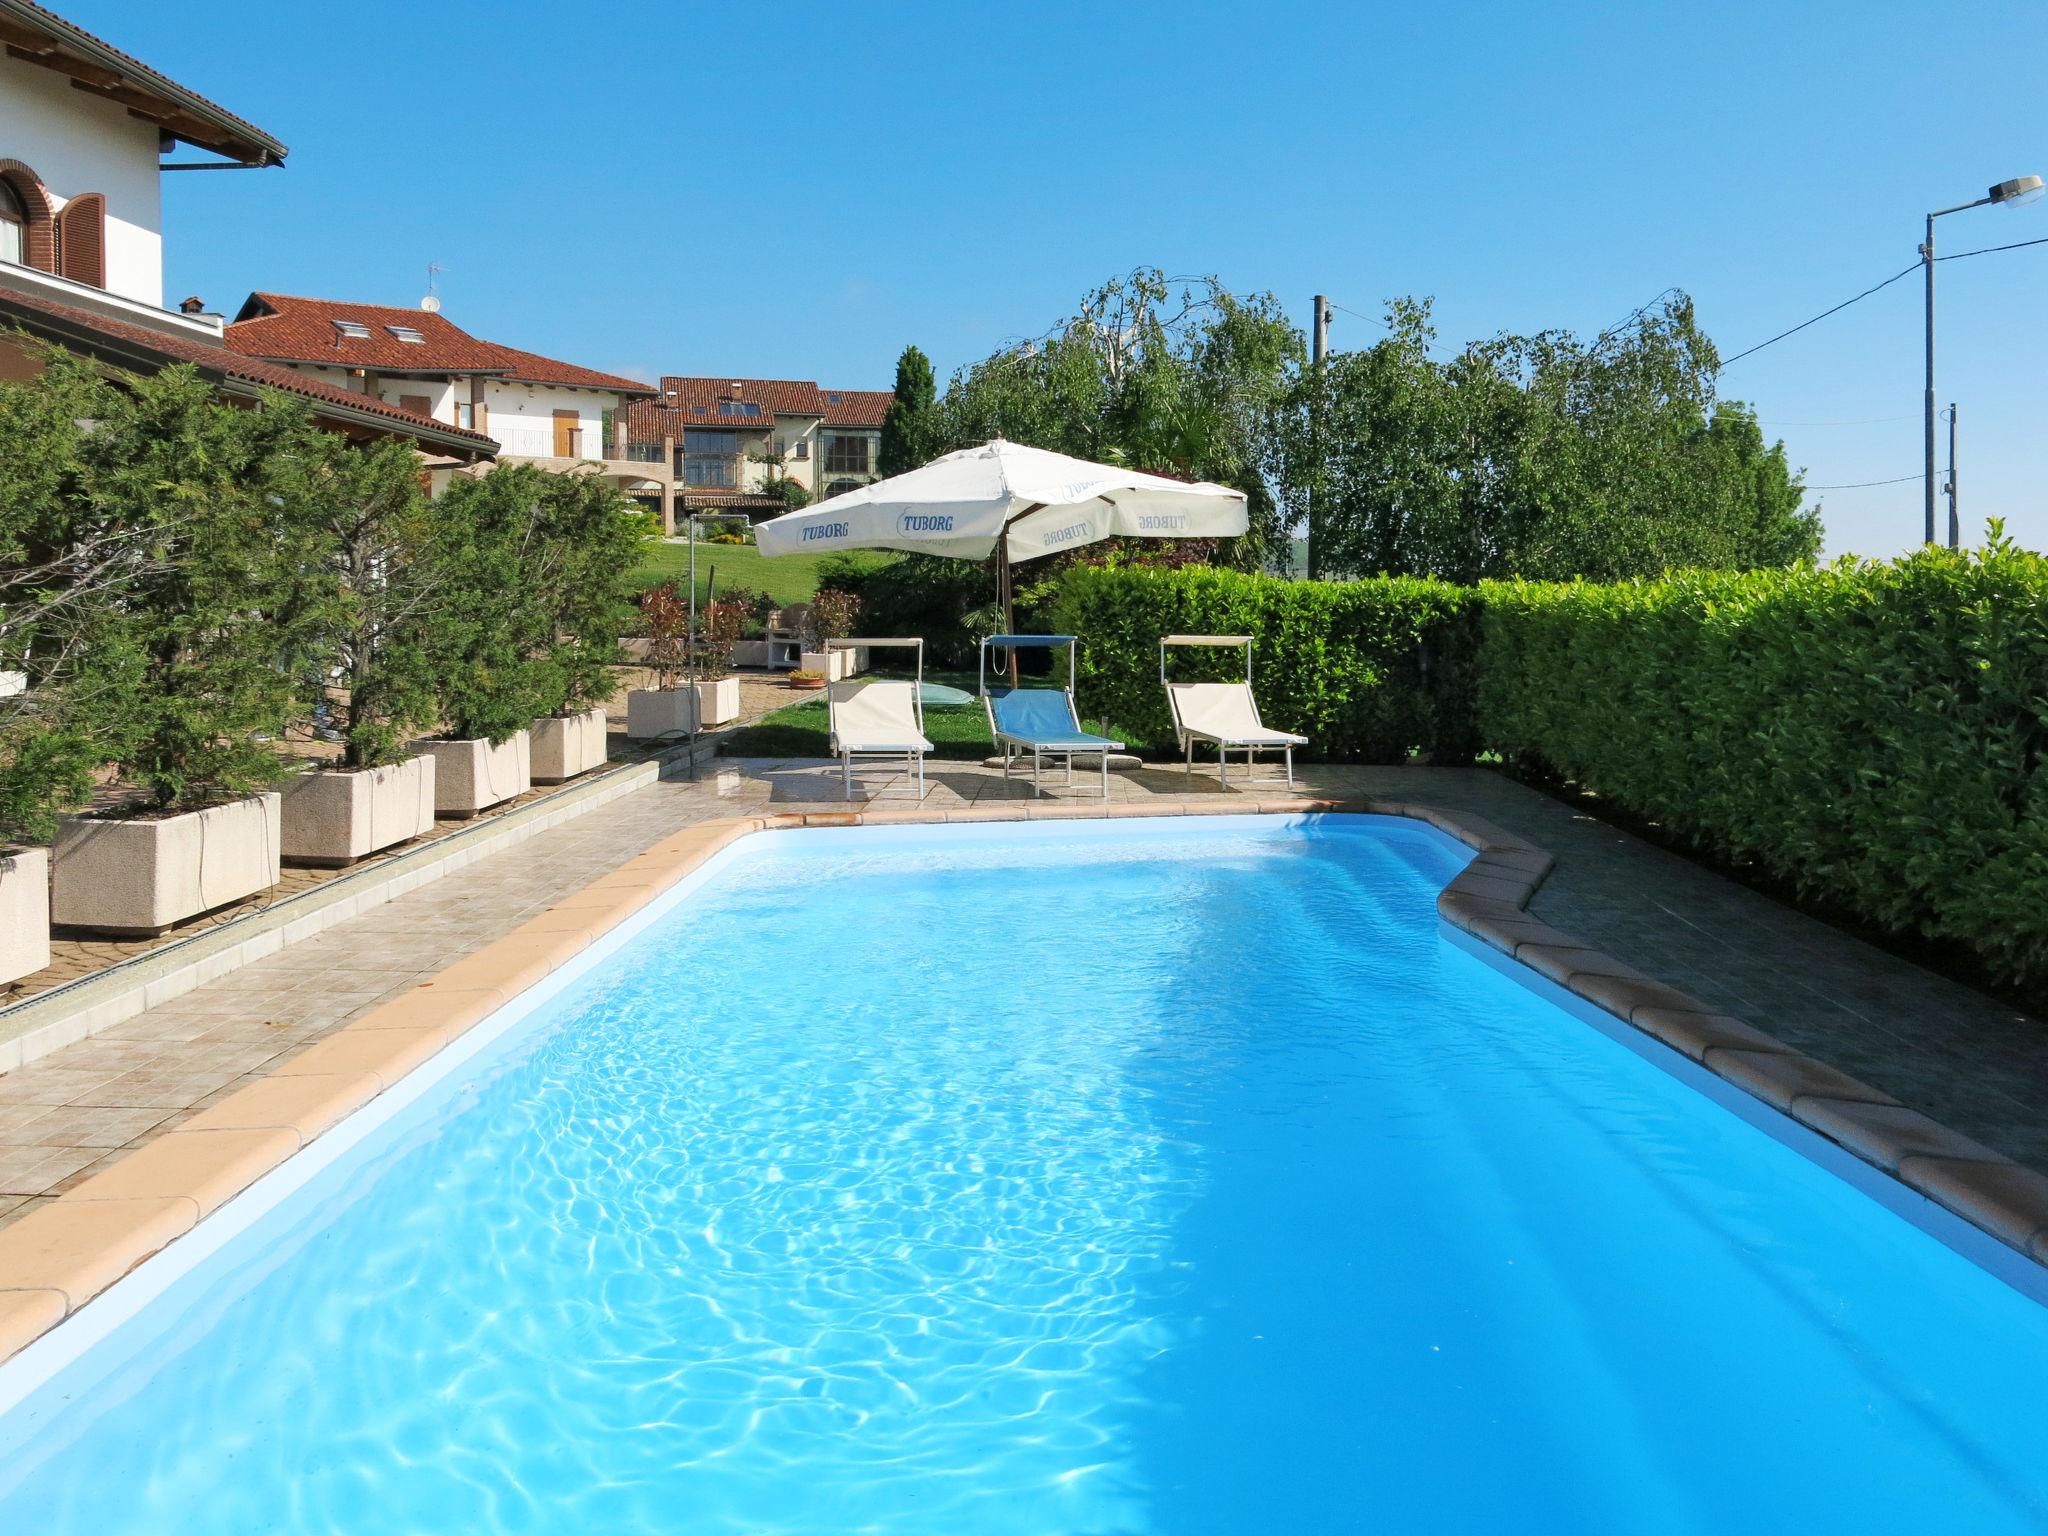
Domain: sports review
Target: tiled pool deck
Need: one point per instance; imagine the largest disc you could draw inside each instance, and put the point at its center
(1966, 1061)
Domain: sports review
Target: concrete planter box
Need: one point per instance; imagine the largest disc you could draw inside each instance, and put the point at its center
(333, 818)
(831, 665)
(566, 745)
(652, 712)
(24, 911)
(141, 877)
(472, 775)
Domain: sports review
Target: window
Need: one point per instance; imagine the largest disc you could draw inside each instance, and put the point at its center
(405, 333)
(738, 408)
(465, 415)
(710, 458)
(354, 330)
(13, 225)
(846, 455)
(803, 447)
(841, 487)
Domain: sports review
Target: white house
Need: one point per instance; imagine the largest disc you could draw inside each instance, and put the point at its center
(725, 440)
(537, 409)
(86, 135)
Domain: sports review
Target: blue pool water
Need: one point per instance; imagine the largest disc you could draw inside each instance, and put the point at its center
(1175, 1177)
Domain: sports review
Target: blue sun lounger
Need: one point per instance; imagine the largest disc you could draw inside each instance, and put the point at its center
(1040, 721)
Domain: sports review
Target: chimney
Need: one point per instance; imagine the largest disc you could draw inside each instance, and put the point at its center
(192, 306)
(738, 389)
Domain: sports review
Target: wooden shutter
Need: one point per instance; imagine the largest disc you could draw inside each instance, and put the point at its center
(419, 405)
(82, 239)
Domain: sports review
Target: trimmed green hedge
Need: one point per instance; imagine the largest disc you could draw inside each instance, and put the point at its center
(1367, 670)
(1872, 733)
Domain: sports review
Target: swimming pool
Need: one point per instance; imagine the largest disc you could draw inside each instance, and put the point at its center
(1056, 1177)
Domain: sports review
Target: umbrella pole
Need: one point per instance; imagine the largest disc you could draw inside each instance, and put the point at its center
(1005, 596)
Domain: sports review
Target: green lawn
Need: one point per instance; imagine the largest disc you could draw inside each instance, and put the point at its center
(785, 578)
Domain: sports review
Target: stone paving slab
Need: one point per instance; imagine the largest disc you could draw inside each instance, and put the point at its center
(1971, 1063)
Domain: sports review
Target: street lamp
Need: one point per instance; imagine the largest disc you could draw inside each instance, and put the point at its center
(2021, 189)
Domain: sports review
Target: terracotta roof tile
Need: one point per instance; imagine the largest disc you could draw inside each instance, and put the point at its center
(288, 328)
(775, 397)
(857, 407)
(224, 361)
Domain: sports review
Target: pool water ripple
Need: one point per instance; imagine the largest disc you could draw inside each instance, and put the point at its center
(1119, 1179)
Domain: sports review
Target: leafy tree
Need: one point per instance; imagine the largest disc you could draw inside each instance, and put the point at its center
(907, 426)
(1174, 375)
(1539, 456)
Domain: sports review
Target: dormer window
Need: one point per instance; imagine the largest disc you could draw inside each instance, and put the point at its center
(352, 330)
(407, 334)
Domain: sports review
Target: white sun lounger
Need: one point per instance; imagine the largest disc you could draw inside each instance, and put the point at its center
(878, 717)
(1226, 715)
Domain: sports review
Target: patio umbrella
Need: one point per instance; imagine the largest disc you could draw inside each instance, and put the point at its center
(1014, 502)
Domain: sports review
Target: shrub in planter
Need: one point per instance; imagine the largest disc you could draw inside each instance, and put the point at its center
(484, 641)
(378, 684)
(211, 652)
(678, 704)
(587, 538)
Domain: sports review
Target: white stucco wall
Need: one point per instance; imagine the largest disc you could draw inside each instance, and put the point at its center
(77, 142)
(442, 394)
(794, 430)
(522, 417)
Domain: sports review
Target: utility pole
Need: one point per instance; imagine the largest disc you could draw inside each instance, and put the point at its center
(1955, 527)
(1318, 353)
(1927, 260)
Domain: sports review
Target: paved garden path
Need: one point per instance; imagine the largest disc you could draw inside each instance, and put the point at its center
(1968, 1061)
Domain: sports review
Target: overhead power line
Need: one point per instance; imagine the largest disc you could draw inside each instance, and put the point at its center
(1859, 485)
(1987, 250)
(1802, 325)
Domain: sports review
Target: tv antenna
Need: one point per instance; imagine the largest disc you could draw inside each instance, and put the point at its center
(432, 302)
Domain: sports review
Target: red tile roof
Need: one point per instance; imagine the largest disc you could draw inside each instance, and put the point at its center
(857, 407)
(699, 402)
(106, 71)
(287, 328)
(135, 345)
(775, 397)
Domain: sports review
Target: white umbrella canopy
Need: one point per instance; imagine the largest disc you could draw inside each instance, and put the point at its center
(962, 503)
(1025, 502)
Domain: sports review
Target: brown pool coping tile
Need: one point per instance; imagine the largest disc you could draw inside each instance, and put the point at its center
(80, 1247)
(208, 1168)
(27, 1315)
(2006, 1200)
(57, 1257)
(1780, 1077)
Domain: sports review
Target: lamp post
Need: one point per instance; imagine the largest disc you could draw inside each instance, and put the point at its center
(2021, 189)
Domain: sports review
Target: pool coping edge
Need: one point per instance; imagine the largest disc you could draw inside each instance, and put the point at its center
(55, 1260)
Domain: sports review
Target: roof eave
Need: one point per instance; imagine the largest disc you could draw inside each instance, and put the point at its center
(152, 96)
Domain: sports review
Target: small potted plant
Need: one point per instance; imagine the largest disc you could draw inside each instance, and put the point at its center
(832, 616)
(806, 682)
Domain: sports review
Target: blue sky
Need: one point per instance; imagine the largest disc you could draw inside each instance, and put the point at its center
(798, 190)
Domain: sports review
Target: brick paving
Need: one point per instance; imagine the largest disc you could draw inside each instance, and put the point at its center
(1973, 1063)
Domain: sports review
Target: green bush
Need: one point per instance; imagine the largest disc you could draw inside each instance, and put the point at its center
(1874, 734)
(486, 638)
(1369, 671)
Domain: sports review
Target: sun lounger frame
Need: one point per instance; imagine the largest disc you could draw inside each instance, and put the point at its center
(913, 755)
(1187, 736)
(1014, 745)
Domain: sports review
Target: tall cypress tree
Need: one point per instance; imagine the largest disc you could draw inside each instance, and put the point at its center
(907, 425)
